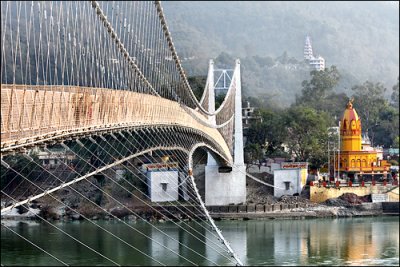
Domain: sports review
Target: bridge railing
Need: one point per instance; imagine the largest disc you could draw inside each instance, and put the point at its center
(30, 112)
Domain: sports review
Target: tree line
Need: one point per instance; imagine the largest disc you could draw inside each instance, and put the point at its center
(300, 132)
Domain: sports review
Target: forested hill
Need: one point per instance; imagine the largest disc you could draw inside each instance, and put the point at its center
(360, 38)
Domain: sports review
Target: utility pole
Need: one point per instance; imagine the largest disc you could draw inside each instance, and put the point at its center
(334, 160)
(339, 153)
(329, 162)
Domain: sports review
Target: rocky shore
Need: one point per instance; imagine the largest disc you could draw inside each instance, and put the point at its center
(286, 207)
(260, 204)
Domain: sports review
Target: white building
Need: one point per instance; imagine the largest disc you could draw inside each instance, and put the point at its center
(317, 63)
(308, 52)
(290, 178)
(163, 180)
(52, 158)
(366, 146)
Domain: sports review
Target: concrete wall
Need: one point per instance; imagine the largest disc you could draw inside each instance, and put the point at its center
(250, 208)
(225, 188)
(183, 181)
(156, 191)
(275, 166)
(390, 207)
(293, 176)
(320, 194)
(278, 209)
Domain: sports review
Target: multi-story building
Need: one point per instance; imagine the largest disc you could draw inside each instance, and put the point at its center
(318, 62)
(248, 116)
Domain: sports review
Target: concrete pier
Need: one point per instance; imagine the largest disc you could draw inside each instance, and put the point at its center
(227, 188)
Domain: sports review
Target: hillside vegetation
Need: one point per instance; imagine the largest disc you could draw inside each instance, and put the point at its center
(360, 38)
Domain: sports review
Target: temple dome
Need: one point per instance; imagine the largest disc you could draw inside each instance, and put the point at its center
(350, 120)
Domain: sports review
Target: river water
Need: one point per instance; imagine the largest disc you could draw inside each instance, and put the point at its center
(344, 241)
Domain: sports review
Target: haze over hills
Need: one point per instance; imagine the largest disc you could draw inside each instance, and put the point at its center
(360, 38)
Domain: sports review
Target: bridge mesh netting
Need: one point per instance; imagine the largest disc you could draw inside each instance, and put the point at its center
(77, 78)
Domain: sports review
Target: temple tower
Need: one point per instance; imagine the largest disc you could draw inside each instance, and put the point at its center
(354, 159)
(308, 52)
(350, 129)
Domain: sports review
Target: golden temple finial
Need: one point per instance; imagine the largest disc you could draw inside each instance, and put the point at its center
(350, 103)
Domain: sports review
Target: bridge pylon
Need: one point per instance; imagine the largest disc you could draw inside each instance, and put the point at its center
(224, 188)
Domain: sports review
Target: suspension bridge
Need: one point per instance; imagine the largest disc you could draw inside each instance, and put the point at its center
(103, 82)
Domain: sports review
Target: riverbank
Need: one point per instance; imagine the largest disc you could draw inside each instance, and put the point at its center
(111, 204)
(321, 211)
(231, 212)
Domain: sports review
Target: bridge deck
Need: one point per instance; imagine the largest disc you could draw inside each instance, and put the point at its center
(33, 112)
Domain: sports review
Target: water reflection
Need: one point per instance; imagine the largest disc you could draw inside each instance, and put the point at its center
(359, 241)
(235, 233)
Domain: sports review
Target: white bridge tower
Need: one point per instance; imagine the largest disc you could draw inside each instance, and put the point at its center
(224, 188)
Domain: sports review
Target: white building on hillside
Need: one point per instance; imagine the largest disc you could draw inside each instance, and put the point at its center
(317, 63)
(308, 52)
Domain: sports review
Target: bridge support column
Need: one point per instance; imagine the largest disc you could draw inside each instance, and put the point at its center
(227, 188)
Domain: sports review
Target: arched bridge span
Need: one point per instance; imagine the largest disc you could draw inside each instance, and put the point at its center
(36, 115)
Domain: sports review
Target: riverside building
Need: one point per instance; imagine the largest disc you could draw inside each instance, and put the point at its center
(358, 160)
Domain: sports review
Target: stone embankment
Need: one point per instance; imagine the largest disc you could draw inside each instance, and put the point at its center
(287, 207)
(275, 211)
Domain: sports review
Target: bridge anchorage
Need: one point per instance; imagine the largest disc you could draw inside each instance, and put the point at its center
(94, 93)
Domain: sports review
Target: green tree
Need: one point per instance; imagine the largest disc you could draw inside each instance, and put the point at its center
(269, 134)
(334, 104)
(396, 142)
(225, 60)
(264, 61)
(253, 152)
(315, 91)
(387, 129)
(307, 134)
(21, 168)
(369, 101)
(395, 95)
(197, 83)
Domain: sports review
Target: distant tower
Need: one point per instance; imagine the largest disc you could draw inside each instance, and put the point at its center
(317, 63)
(308, 53)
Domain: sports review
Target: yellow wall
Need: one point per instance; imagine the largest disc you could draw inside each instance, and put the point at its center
(351, 161)
(351, 143)
(303, 175)
(320, 194)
